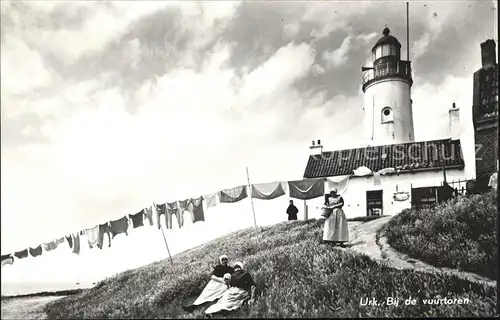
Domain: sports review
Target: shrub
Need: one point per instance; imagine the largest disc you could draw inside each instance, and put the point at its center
(459, 234)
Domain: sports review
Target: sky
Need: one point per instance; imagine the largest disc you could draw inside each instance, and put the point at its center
(107, 107)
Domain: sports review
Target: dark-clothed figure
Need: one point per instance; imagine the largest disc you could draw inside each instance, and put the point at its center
(241, 289)
(216, 287)
(292, 211)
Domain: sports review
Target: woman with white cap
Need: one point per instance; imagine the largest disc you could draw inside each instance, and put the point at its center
(217, 285)
(241, 289)
(335, 230)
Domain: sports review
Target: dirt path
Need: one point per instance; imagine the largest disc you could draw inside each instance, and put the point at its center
(364, 240)
(25, 308)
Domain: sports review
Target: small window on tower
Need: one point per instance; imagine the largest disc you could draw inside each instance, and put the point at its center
(387, 115)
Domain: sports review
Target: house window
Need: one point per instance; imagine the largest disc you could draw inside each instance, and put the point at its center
(387, 115)
(374, 204)
(424, 196)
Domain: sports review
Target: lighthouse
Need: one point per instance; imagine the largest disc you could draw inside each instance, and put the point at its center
(388, 116)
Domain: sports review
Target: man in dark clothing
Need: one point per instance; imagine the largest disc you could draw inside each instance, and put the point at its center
(292, 211)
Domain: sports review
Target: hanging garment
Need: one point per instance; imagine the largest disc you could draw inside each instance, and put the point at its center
(76, 243)
(401, 196)
(137, 219)
(21, 254)
(7, 259)
(307, 189)
(70, 241)
(59, 241)
(103, 229)
(233, 195)
(362, 171)
(93, 236)
(36, 251)
(198, 214)
(339, 183)
(210, 200)
(49, 246)
(386, 171)
(174, 209)
(184, 205)
(377, 180)
(82, 232)
(118, 226)
(160, 209)
(267, 191)
(148, 212)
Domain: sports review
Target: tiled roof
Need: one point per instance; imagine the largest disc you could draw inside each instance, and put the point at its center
(413, 156)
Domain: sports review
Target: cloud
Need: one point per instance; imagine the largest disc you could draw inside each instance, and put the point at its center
(23, 69)
(340, 55)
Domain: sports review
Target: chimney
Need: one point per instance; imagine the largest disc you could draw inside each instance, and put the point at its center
(488, 54)
(316, 149)
(454, 123)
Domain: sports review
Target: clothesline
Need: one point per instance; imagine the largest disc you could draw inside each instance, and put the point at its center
(304, 189)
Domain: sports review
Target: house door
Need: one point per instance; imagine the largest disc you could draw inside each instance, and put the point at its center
(374, 205)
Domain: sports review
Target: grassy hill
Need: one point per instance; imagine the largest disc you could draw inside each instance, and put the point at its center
(296, 277)
(460, 234)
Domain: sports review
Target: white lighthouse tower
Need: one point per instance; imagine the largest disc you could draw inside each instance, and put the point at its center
(388, 117)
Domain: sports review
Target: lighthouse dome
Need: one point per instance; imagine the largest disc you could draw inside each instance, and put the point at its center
(387, 39)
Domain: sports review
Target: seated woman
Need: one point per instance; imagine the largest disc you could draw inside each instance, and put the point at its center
(241, 287)
(217, 285)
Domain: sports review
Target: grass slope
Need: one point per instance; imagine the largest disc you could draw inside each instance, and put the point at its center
(460, 233)
(296, 277)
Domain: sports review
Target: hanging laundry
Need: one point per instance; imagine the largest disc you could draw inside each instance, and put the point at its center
(184, 205)
(362, 171)
(7, 259)
(137, 219)
(233, 195)
(70, 241)
(21, 254)
(76, 243)
(36, 251)
(103, 229)
(198, 214)
(377, 180)
(340, 183)
(401, 196)
(118, 226)
(267, 191)
(307, 189)
(148, 212)
(386, 171)
(174, 209)
(82, 232)
(93, 236)
(59, 241)
(161, 209)
(210, 200)
(49, 246)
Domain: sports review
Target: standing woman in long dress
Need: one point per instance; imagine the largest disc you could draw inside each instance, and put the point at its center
(335, 230)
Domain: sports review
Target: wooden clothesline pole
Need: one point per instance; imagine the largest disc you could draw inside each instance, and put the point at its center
(251, 201)
(164, 238)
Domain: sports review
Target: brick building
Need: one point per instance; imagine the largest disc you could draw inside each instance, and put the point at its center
(485, 115)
